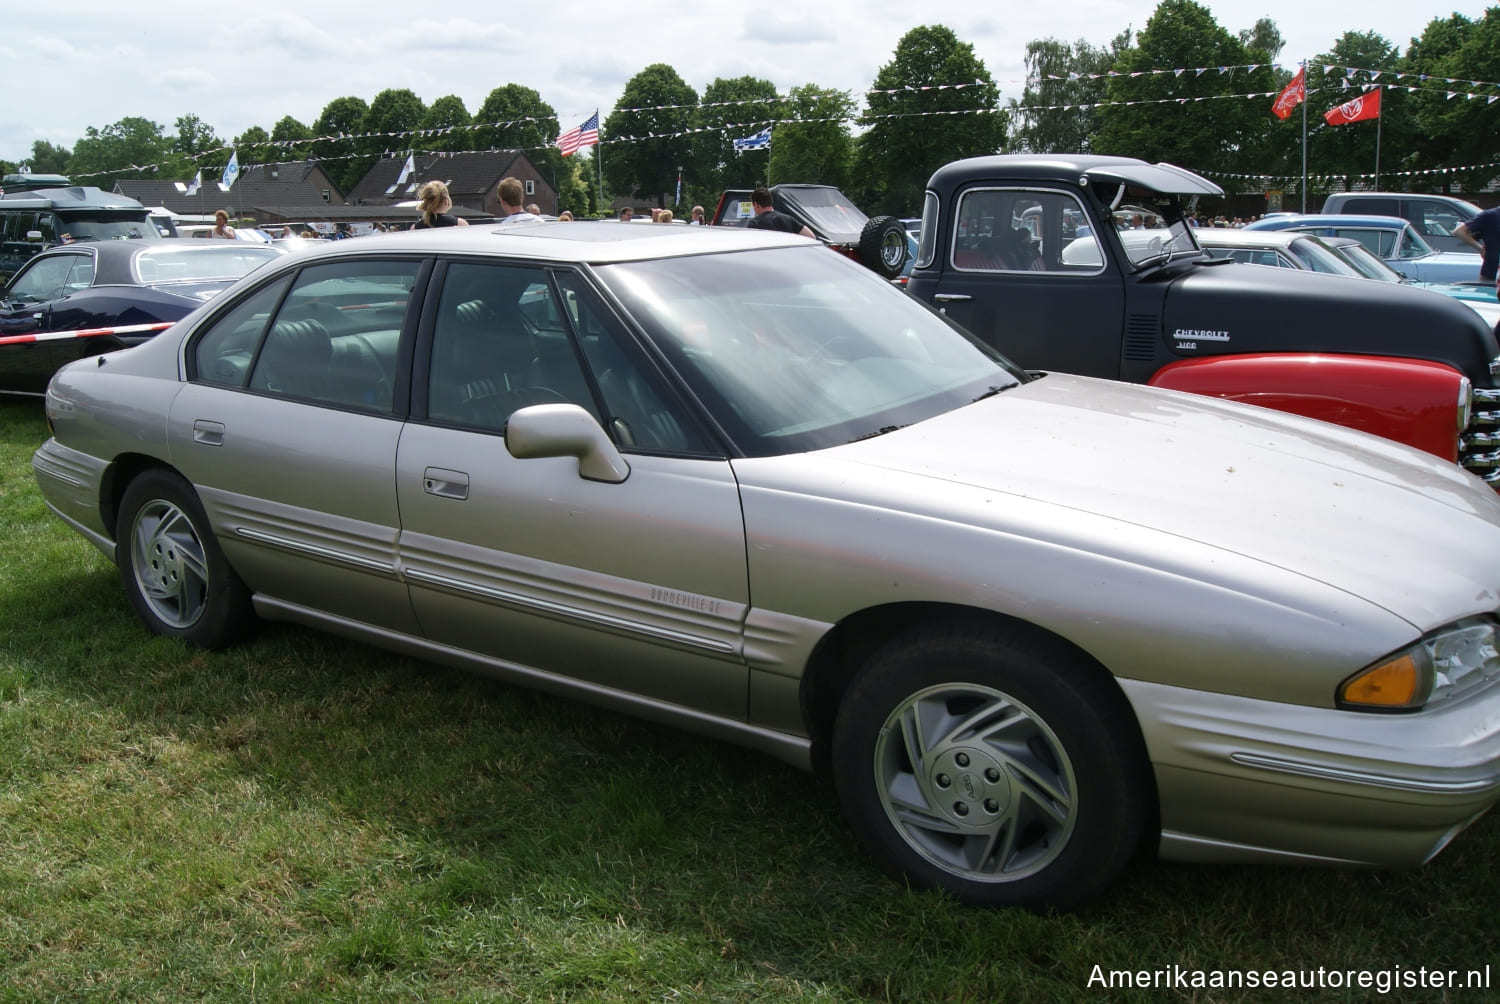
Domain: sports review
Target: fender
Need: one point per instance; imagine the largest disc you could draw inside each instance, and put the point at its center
(1413, 401)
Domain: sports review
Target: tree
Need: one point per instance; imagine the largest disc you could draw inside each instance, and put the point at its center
(514, 117)
(730, 110)
(342, 120)
(253, 146)
(1264, 37)
(1348, 151)
(1456, 133)
(446, 125)
(49, 159)
(130, 148)
(1059, 108)
(291, 138)
(933, 103)
(812, 145)
(649, 134)
(1211, 128)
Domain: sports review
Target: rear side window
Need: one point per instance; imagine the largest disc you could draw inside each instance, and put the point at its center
(331, 335)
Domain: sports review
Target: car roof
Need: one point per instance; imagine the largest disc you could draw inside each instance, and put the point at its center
(112, 258)
(1331, 220)
(595, 242)
(1074, 169)
(1239, 237)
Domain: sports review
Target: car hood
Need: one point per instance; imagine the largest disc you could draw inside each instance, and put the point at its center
(1442, 266)
(1071, 456)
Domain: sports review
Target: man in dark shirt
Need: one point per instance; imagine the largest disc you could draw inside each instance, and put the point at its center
(1483, 231)
(767, 218)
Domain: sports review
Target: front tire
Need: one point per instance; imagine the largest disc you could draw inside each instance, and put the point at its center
(176, 577)
(1010, 773)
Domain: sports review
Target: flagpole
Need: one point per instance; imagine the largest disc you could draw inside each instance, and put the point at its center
(1379, 121)
(1304, 136)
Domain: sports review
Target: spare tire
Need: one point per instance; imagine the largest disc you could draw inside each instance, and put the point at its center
(882, 246)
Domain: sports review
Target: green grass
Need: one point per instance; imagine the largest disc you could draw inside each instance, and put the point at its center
(304, 819)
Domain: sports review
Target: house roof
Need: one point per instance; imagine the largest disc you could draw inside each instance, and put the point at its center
(470, 176)
(293, 184)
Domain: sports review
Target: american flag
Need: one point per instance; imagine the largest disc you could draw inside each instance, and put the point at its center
(574, 140)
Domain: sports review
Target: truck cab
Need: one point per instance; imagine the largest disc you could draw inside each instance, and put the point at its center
(1089, 264)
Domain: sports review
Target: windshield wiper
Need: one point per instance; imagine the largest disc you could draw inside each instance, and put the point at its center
(877, 432)
(992, 392)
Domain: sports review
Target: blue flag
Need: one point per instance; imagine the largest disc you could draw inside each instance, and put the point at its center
(760, 141)
(231, 170)
(195, 184)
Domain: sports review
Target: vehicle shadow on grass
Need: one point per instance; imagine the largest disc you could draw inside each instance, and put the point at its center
(406, 797)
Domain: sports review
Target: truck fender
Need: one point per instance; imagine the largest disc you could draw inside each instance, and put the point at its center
(1413, 401)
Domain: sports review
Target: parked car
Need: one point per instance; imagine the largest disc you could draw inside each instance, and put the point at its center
(1337, 256)
(1026, 251)
(1391, 238)
(42, 211)
(1279, 249)
(731, 482)
(1433, 216)
(90, 297)
(879, 243)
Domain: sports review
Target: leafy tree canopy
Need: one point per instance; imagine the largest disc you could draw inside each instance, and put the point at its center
(657, 110)
(933, 103)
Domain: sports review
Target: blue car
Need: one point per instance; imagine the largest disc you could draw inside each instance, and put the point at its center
(1391, 238)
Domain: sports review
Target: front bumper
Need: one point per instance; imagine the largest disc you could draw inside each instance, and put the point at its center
(1247, 780)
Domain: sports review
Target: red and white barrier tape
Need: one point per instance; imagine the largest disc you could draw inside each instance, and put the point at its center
(51, 336)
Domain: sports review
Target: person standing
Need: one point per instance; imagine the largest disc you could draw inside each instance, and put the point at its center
(221, 225)
(1483, 234)
(433, 203)
(511, 193)
(767, 218)
(697, 217)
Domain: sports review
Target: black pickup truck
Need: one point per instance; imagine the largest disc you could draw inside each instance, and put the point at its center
(1088, 264)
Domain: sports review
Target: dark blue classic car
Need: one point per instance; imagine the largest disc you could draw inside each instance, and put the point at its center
(84, 298)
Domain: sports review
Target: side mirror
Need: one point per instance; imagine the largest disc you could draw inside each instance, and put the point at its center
(565, 430)
(33, 236)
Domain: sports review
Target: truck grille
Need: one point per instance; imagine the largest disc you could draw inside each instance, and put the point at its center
(1479, 446)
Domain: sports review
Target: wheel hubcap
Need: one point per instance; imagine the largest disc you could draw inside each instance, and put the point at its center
(976, 782)
(169, 565)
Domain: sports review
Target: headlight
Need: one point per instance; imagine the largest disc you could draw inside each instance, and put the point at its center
(1446, 665)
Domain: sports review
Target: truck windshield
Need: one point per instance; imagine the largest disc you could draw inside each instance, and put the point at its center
(1152, 231)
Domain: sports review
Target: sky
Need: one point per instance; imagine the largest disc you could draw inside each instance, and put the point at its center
(236, 65)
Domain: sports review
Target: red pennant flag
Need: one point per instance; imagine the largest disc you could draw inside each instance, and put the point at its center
(1366, 106)
(1292, 95)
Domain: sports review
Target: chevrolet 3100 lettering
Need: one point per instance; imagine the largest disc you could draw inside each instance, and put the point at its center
(1086, 264)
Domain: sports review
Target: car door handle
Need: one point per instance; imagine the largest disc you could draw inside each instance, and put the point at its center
(952, 297)
(208, 433)
(445, 484)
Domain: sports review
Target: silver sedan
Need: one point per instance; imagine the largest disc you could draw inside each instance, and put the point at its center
(733, 482)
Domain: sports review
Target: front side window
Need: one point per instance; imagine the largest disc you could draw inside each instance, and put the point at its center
(505, 339)
(46, 279)
(1020, 230)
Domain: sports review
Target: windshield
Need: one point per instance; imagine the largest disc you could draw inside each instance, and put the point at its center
(1316, 256)
(830, 213)
(795, 349)
(1364, 261)
(217, 261)
(104, 226)
(1152, 228)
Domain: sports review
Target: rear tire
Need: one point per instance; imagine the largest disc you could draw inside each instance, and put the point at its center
(882, 246)
(176, 577)
(1008, 772)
